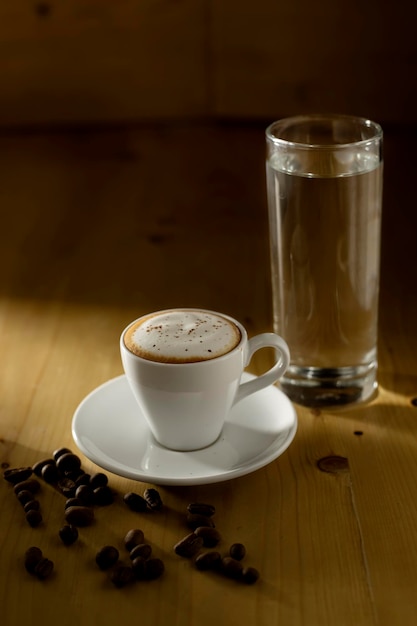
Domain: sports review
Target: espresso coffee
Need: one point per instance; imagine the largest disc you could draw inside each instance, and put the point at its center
(182, 336)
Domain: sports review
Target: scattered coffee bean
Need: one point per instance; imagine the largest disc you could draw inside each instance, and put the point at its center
(250, 575)
(208, 560)
(154, 568)
(210, 536)
(135, 502)
(59, 452)
(232, 568)
(38, 467)
(32, 505)
(24, 496)
(201, 508)
(85, 494)
(68, 534)
(194, 520)
(139, 567)
(107, 557)
(142, 549)
(103, 496)
(75, 475)
(82, 479)
(43, 568)
(67, 487)
(16, 475)
(134, 537)
(33, 517)
(68, 462)
(79, 515)
(153, 499)
(98, 480)
(50, 473)
(122, 575)
(31, 485)
(188, 546)
(32, 557)
(36, 564)
(237, 551)
(73, 502)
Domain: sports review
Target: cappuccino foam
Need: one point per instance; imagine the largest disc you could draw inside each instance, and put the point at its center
(182, 336)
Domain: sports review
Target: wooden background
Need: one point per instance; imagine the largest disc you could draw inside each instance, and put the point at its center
(106, 61)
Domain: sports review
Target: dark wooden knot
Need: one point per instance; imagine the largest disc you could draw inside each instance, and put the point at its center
(43, 9)
(333, 464)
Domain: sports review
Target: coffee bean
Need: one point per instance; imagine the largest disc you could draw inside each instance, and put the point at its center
(103, 496)
(16, 475)
(68, 462)
(208, 560)
(73, 475)
(33, 517)
(68, 534)
(31, 485)
(59, 452)
(67, 487)
(142, 549)
(82, 479)
(122, 575)
(194, 520)
(24, 496)
(231, 567)
(139, 567)
(98, 480)
(43, 568)
(134, 537)
(32, 552)
(201, 508)
(250, 575)
(153, 499)
(79, 515)
(38, 467)
(210, 536)
(32, 505)
(32, 557)
(189, 545)
(107, 557)
(135, 502)
(154, 568)
(36, 564)
(85, 494)
(50, 473)
(73, 502)
(237, 551)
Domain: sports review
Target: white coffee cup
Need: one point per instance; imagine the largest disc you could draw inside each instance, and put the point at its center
(183, 377)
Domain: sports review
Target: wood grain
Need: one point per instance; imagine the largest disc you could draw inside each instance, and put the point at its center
(85, 61)
(99, 227)
(80, 62)
(297, 57)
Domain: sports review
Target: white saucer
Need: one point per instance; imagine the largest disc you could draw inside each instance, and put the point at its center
(109, 428)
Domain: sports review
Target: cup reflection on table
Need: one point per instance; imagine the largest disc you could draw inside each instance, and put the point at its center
(324, 181)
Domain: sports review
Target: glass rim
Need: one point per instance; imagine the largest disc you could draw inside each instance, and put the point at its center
(286, 122)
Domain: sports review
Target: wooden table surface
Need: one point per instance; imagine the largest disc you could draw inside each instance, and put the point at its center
(100, 227)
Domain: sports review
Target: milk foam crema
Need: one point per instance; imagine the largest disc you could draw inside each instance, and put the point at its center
(182, 336)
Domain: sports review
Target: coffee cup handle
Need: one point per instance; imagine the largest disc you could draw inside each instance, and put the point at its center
(264, 340)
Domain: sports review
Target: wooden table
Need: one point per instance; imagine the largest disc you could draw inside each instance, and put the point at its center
(100, 227)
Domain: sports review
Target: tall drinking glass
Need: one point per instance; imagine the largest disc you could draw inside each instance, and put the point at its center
(324, 178)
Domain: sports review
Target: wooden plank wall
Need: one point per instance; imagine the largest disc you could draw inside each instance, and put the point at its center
(107, 61)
